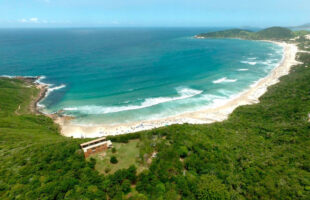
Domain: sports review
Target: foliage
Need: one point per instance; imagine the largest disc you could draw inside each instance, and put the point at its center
(273, 33)
(301, 33)
(38, 163)
(304, 44)
(231, 33)
(113, 160)
(209, 188)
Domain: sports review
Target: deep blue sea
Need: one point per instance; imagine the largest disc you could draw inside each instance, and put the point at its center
(117, 75)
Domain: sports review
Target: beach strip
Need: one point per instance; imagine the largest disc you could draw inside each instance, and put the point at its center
(204, 116)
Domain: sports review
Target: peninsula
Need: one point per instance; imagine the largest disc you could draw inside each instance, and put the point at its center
(272, 33)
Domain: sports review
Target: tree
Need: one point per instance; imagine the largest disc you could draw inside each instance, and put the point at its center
(183, 151)
(138, 197)
(92, 163)
(131, 173)
(113, 160)
(126, 186)
(209, 188)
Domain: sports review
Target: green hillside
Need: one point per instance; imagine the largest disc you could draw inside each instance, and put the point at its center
(261, 152)
(231, 33)
(273, 33)
(37, 162)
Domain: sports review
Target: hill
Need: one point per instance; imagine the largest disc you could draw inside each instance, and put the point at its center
(273, 33)
(36, 161)
(301, 27)
(231, 33)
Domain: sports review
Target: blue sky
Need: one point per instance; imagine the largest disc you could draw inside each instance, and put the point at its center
(101, 13)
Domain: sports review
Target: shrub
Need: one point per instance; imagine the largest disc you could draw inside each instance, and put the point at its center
(107, 170)
(113, 160)
(126, 186)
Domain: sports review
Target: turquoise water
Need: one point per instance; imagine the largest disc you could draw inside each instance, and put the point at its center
(124, 75)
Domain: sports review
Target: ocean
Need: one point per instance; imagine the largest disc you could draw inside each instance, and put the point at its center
(120, 75)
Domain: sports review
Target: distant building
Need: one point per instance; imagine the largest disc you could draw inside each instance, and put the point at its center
(95, 146)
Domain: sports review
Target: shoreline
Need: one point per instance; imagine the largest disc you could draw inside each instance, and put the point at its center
(205, 116)
(43, 89)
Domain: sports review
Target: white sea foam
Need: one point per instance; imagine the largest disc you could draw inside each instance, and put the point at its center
(184, 93)
(211, 97)
(241, 70)
(253, 58)
(249, 62)
(39, 80)
(269, 61)
(50, 88)
(56, 87)
(226, 93)
(224, 80)
(7, 76)
(216, 100)
(39, 105)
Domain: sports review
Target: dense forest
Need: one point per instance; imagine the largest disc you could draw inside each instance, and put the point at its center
(273, 33)
(261, 152)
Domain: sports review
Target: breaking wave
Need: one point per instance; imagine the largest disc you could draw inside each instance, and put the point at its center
(241, 70)
(50, 88)
(224, 80)
(56, 87)
(7, 76)
(184, 93)
(39, 80)
(249, 62)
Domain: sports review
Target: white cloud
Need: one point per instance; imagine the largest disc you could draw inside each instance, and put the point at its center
(34, 20)
(23, 20)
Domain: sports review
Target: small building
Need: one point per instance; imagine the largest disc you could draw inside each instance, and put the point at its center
(95, 146)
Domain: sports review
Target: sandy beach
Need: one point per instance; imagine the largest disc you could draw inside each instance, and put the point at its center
(206, 115)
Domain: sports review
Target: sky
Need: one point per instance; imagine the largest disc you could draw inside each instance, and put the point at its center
(153, 13)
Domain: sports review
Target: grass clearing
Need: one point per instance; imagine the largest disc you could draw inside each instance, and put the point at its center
(126, 153)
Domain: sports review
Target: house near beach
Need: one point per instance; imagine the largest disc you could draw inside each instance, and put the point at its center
(95, 146)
